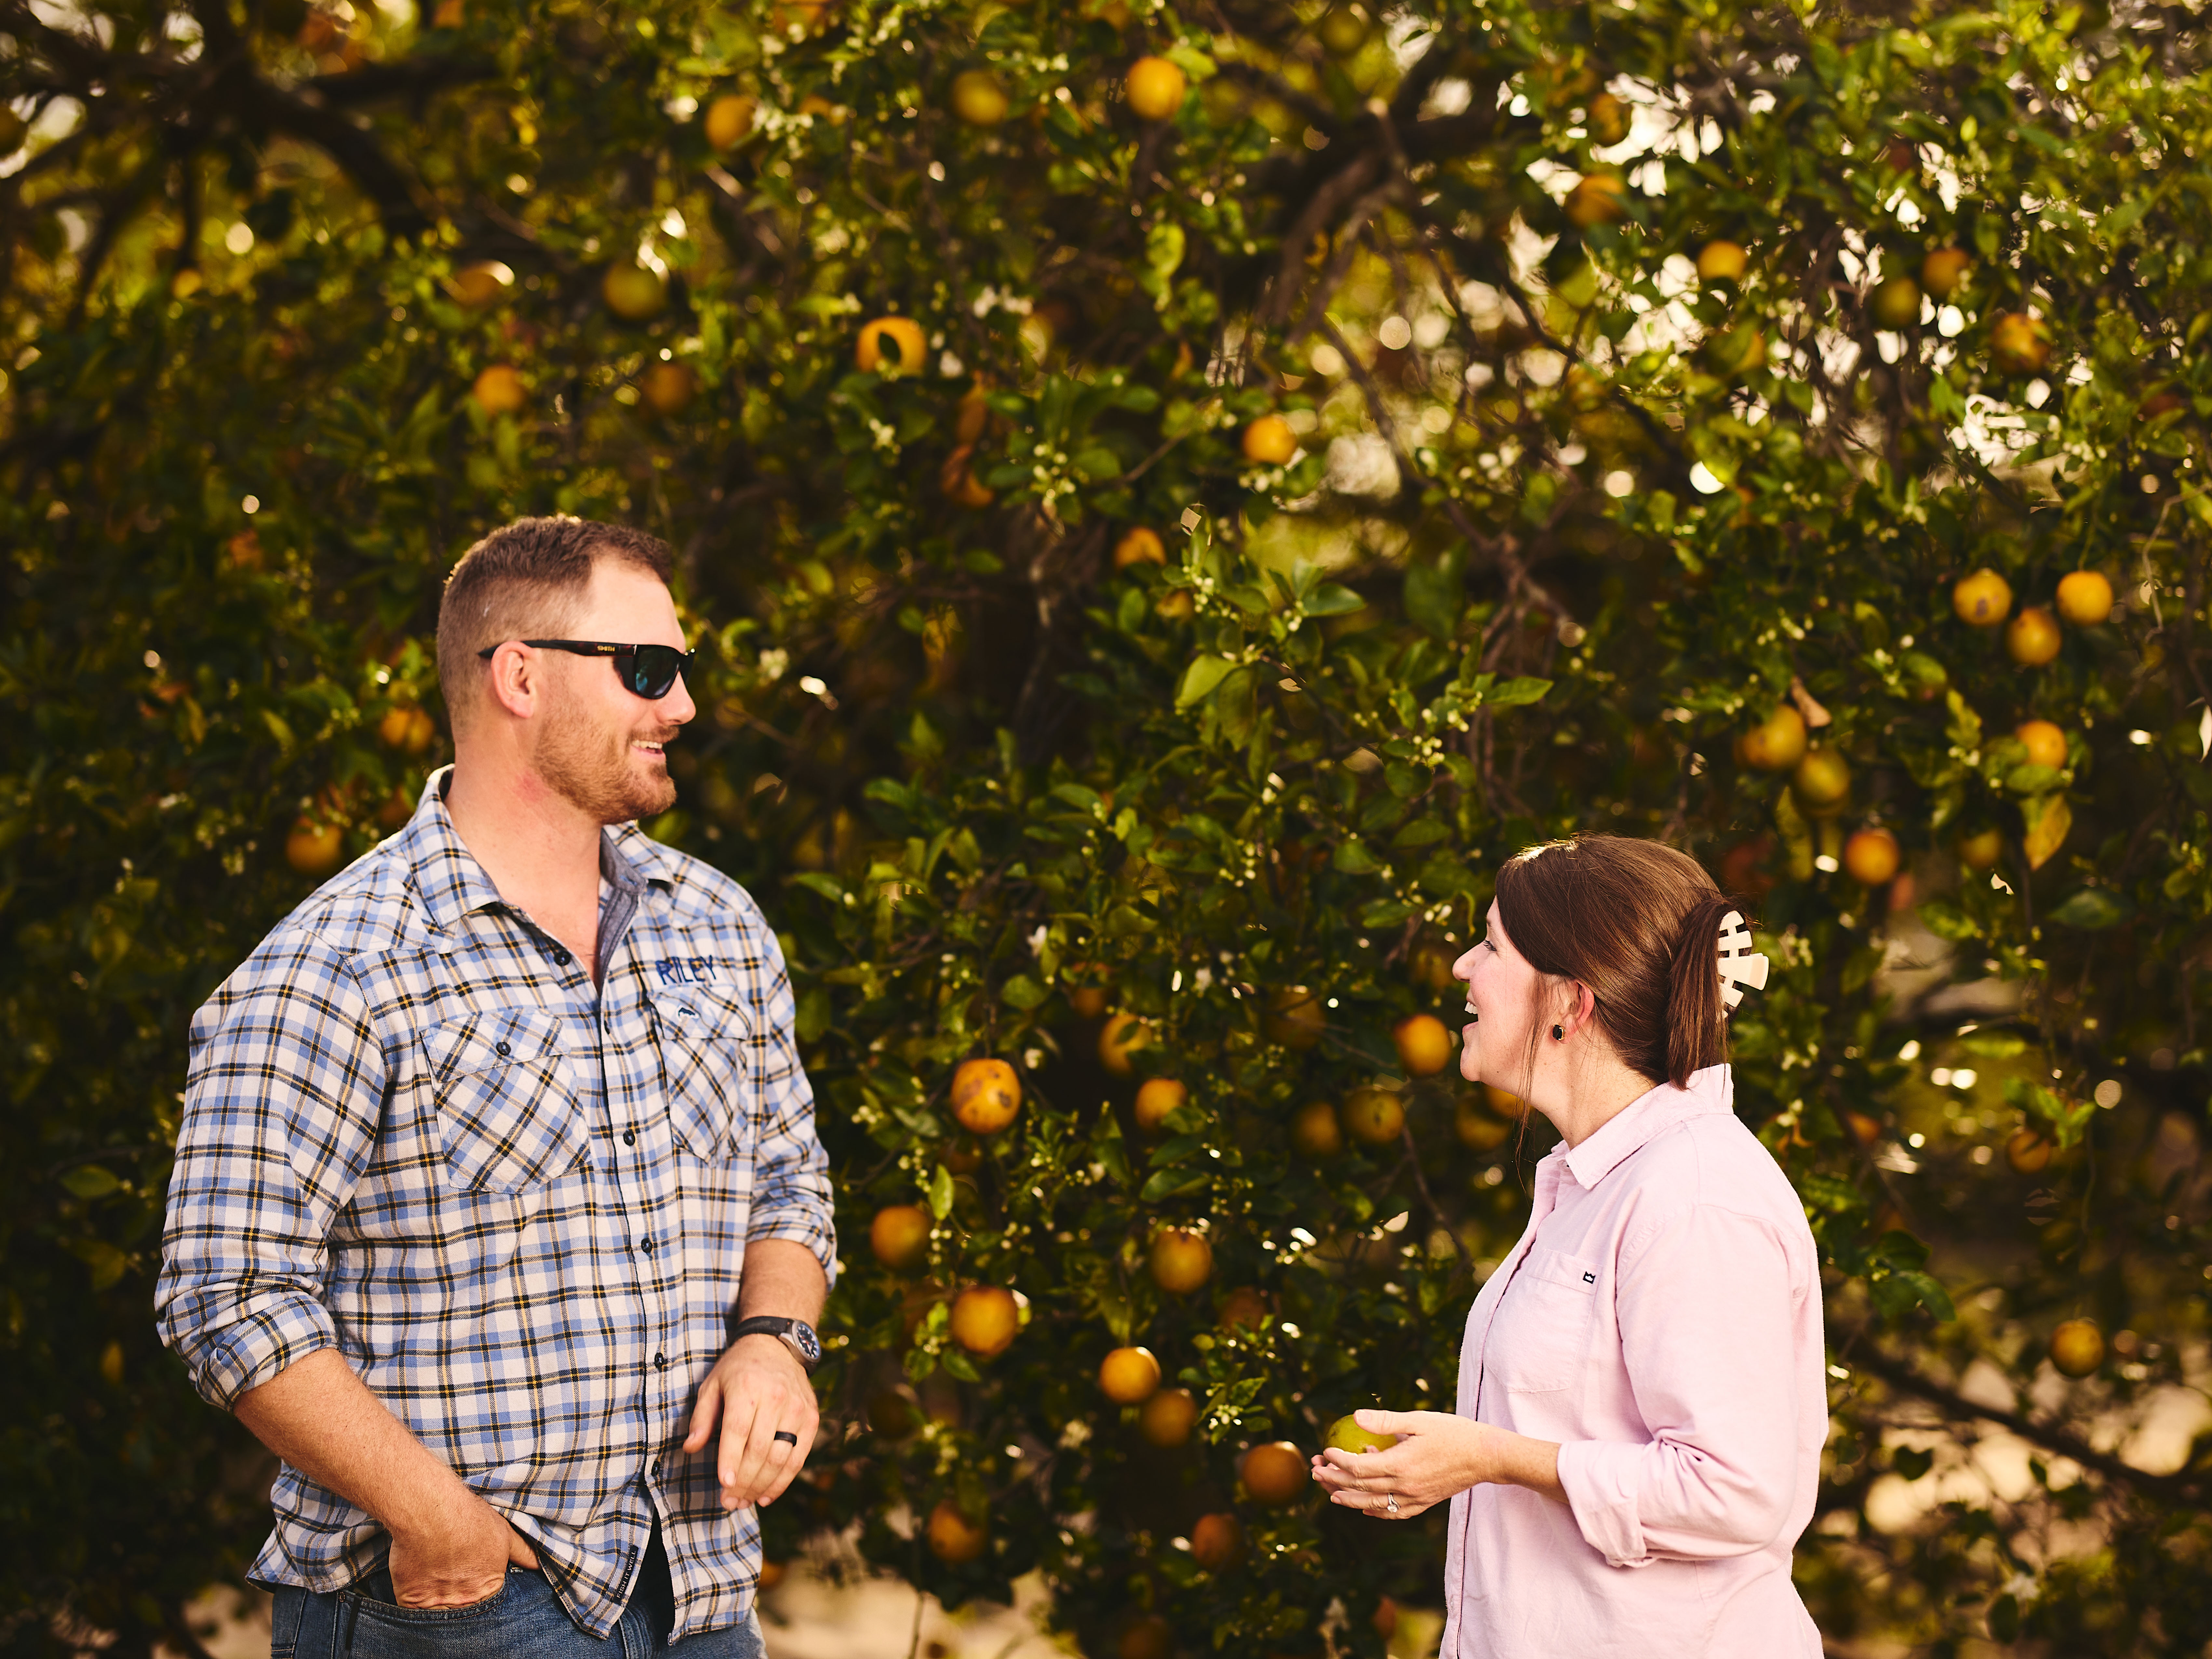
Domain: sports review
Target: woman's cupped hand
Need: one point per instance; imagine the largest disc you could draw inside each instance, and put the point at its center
(1438, 1454)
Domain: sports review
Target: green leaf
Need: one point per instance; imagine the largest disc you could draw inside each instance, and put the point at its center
(91, 1181)
(1023, 992)
(1200, 680)
(1352, 858)
(940, 1192)
(2092, 908)
(1946, 920)
(1521, 689)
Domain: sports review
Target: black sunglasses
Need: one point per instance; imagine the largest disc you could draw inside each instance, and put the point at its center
(650, 670)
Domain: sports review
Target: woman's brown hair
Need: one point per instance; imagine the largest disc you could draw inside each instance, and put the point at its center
(1639, 924)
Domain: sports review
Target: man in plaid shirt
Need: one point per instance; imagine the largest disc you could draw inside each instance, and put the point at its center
(499, 1212)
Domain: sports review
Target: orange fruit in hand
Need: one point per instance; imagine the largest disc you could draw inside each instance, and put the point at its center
(1157, 1096)
(1155, 89)
(986, 1096)
(1424, 1044)
(1216, 1541)
(895, 342)
(1872, 857)
(1983, 599)
(2046, 743)
(953, 1538)
(1181, 1259)
(900, 1237)
(1269, 442)
(1274, 1472)
(2032, 638)
(985, 1319)
(1128, 1377)
(2085, 598)
(1167, 1418)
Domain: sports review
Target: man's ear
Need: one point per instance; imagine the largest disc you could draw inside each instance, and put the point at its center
(514, 680)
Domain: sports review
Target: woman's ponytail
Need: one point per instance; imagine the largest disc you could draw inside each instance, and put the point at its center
(1697, 1019)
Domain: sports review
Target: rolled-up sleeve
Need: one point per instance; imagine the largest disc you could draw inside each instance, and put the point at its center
(791, 1171)
(283, 1093)
(1707, 1309)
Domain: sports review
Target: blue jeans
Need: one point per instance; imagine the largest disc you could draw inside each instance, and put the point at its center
(522, 1619)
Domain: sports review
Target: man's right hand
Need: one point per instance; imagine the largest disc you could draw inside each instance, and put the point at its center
(463, 1559)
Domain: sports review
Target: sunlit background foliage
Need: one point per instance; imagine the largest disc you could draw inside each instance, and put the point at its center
(1314, 453)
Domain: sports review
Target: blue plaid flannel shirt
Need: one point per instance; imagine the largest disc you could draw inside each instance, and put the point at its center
(518, 1204)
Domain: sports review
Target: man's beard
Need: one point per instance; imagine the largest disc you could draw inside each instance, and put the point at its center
(590, 767)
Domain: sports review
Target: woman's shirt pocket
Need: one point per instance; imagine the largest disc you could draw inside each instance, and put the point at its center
(1540, 1341)
(508, 1115)
(706, 1059)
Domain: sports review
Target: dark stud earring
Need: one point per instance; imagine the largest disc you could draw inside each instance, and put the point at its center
(1559, 1034)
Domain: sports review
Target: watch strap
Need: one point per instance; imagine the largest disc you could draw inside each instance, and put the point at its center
(776, 1325)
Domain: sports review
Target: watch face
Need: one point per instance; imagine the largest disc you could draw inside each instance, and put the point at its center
(810, 1345)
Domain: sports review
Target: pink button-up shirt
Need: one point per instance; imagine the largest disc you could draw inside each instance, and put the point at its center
(1660, 1320)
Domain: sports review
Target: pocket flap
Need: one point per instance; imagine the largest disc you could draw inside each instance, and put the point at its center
(702, 1012)
(1568, 1271)
(492, 1038)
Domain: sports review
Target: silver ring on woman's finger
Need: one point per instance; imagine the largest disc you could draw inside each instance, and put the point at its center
(787, 1437)
(1390, 1502)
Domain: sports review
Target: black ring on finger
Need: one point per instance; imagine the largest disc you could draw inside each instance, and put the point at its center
(787, 1437)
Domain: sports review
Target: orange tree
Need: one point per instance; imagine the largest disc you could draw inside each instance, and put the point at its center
(1171, 498)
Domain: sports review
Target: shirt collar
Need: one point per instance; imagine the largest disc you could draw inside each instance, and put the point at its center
(1712, 1090)
(449, 883)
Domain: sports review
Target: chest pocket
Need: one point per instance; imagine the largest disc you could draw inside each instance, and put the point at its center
(705, 1036)
(507, 1112)
(1540, 1341)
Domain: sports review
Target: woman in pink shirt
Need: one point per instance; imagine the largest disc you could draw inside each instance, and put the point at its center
(1641, 1391)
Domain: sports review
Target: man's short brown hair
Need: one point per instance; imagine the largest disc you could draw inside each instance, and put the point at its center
(525, 581)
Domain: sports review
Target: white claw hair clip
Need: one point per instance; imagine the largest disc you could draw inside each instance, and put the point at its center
(1741, 965)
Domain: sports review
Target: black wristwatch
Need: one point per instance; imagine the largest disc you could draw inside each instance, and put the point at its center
(797, 1334)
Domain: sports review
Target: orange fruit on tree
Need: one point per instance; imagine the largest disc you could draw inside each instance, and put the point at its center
(1863, 1129)
(668, 387)
(2019, 343)
(1777, 743)
(978, 98)
(1269, 442)
(1120, 1039)
(499, 391)
(477, 285)
(2046, 743)
(1941, 271)
(1479, 1130)
(1128, 1377)
(1871, 858)
(1181, 1259)
(1821, 780)
(1316, 1132)
(1375, 1117)
(2032, 638)
(986, 1096)
(2077, 1348)
(899, 1236)
(985, 1319)
(1089, 1001)
(1983, 599)
(895, 343)
(1295, 1016)
(2029, 1151)
(1275, 1472)
(1155, 89)
(1216, 1541)
(729, 118)
(1167, 1418)
(953, 1538)
(1896, 303)
(1609, 119)
(1428, 964)
(1242, 1308)
(1598, 198)
(1424, 1044)
(1386, 1618)
(1982, 849)
(1139, 546)
(1722, 262)
(1148, 1636)
(314, 848)
(2085, 598)
(1157, 1096)
(633, 293)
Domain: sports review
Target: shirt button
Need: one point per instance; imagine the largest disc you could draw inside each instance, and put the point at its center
(660, 1362)
(505, 1047)
(560, 958)
(656, 1466)
(646, 1244)
(629, 1137)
